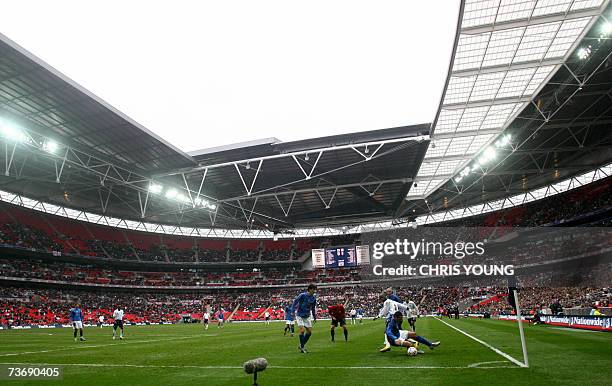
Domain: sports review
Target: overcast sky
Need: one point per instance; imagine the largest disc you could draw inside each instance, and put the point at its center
(203, 74)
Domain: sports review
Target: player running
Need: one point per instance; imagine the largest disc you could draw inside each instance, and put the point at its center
(413, 314)
(338, 317)
(221, 317)
(289, 325)
(76, 318)
(267, 316)
(206, 319)
(118, 317)
(305, 310)
(402, 338)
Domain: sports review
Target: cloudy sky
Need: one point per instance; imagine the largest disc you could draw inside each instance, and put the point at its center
(208, 73)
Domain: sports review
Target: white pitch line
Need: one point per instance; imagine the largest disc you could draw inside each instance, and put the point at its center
(508, 357)
(85, 346)
(240, 367)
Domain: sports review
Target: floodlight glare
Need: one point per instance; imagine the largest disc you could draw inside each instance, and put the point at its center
(12, 133)
(503, 140)
(171, 193)
(606, 29)
(50, 146)
(488, 155)
(155, 188)
(584, 52)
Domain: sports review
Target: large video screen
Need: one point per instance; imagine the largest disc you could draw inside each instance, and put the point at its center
(339, 257)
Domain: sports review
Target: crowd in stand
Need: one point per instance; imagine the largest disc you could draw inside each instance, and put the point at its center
(555, 210)
(20, 306)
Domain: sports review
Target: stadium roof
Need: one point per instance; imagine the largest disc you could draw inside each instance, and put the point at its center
(525, 105)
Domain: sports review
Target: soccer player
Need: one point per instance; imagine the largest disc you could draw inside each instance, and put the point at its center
(305, 310)
(118, 316)
(398, 337)
(76, 318)
(267, 316)
(360, 315)
(390, 307)
(413, 314)
(206, 318)
(338, 317)
(391, 296)
(220, 317)
(100, 321)
(289, 325)
(353, 315)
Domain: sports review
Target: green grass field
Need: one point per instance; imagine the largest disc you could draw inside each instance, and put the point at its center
(186, 354)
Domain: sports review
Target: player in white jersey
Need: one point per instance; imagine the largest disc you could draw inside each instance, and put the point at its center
(100, 321)
(389, 308)
(118, 316)
(413, 314)
(267, 316)
(353, 314)
(206, 319)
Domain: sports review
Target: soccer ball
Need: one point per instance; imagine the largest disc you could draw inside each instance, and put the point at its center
(411, 351)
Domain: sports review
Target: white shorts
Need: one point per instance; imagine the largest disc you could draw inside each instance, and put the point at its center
(77, 324)
(304, 322)
(403, 335)
(288, 321)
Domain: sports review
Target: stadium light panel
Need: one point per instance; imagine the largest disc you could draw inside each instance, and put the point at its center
(155, 188)
(584, 52)
(606, 29)
(50, 146)
(12, 133)
(503, 141)
(488, 155)
(172, 193)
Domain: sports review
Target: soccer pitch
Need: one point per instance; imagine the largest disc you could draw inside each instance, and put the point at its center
(186, 354)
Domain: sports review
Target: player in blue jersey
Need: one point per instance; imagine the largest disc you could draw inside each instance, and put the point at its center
(404, 338)
(305, 314)
(76, 319)
(221, 317)
(289, 320)
(391, 298)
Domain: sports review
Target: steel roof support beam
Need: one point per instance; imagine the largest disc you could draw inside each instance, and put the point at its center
(418, 138)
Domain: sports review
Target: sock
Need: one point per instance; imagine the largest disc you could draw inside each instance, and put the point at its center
(346, 335)
(121, 333)
(292, 329)
(81, 332)
(333, 334)
(302, 340)
(306, 337)
(75, 332)
(420, 339)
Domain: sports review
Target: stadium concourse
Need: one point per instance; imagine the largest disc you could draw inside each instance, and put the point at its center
(104, 222)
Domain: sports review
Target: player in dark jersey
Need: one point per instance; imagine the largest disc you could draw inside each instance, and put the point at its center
(338, 318)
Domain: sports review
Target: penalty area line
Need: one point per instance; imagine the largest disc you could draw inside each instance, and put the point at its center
(496, 350)
(215, 367)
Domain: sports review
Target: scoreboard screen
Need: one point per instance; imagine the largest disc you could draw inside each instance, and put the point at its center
(338, 257)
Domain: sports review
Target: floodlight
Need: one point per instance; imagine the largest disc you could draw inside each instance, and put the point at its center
(171, 193)
(50, 146)
(488, 155)
(11, 132)
(155, 188)
(584, 52)
(606, 29)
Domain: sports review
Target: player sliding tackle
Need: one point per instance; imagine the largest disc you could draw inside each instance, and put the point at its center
(304, 306)
(398, 337)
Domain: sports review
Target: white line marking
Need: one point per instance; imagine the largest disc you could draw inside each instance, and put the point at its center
(508, 357)
(240, 367)
(85, 346)
(479, 364)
